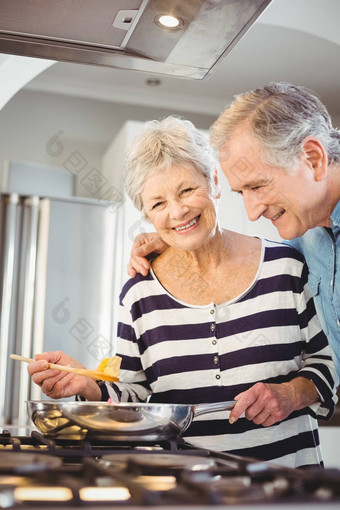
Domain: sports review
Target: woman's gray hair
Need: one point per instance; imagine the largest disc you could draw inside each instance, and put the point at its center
(280, 116)
(161, 145)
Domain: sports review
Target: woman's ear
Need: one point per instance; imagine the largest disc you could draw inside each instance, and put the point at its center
(316, 157)
(217, 187)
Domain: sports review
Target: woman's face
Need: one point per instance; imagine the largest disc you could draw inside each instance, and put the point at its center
(180, 207)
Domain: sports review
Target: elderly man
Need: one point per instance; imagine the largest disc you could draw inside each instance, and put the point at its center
(277, 147)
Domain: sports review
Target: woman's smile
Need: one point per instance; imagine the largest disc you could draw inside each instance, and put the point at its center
(190, 225)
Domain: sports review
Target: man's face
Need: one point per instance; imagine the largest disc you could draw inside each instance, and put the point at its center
(290, 201)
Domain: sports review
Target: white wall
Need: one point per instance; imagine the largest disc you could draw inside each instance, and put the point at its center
(63, 131)
(69, 132)
(16, 72)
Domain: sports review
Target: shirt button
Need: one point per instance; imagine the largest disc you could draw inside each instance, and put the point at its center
(215, 359)
(212, 327)
(218, 376)
(212, 311)
(214, 342)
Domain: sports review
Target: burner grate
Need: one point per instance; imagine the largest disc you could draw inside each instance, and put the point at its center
(97, 446)
(40, 470)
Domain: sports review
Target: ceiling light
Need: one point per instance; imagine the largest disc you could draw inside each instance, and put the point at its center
(169, 21)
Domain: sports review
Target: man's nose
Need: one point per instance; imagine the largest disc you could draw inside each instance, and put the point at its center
(254, 207)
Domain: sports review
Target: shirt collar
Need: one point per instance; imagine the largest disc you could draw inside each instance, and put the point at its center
(335, 216)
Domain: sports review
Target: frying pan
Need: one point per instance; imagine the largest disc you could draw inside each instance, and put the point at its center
(120, 422)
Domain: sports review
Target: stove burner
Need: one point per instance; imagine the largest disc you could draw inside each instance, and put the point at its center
(27, 463)
(36, 470)
(157, 463)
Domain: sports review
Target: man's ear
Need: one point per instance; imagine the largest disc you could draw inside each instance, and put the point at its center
(316, 156)
(217, 188)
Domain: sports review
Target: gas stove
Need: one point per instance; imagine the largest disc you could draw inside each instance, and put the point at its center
(36, 471)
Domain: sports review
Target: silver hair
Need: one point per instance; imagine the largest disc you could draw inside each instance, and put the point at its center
(161, 145)
(280, 116)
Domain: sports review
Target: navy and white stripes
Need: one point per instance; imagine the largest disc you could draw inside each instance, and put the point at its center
(176, 352)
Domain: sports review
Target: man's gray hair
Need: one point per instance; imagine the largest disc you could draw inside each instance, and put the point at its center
(280, 116)
(161, 145)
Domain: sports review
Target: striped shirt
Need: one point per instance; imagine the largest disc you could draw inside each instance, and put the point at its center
(174, 352)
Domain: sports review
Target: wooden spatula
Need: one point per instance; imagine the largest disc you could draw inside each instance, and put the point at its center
(94, 374)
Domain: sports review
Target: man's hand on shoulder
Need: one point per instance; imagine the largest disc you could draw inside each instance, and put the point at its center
(143, 245)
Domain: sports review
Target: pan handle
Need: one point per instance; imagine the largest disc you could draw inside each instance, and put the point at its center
(212, 407)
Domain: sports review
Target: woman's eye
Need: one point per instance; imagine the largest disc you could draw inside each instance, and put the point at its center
(158, 204)
(187, 190)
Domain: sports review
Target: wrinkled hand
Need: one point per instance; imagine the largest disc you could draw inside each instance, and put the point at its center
(143, 245)
(57, 384)
(266, 404)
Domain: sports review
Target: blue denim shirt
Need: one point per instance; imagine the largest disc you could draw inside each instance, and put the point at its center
(321, 249)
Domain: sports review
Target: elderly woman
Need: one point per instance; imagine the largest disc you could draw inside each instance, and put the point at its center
(220, 316)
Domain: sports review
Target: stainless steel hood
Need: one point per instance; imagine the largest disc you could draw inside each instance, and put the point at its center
(125, 33)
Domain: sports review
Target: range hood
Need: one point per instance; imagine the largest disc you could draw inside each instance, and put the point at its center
(126, 34)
